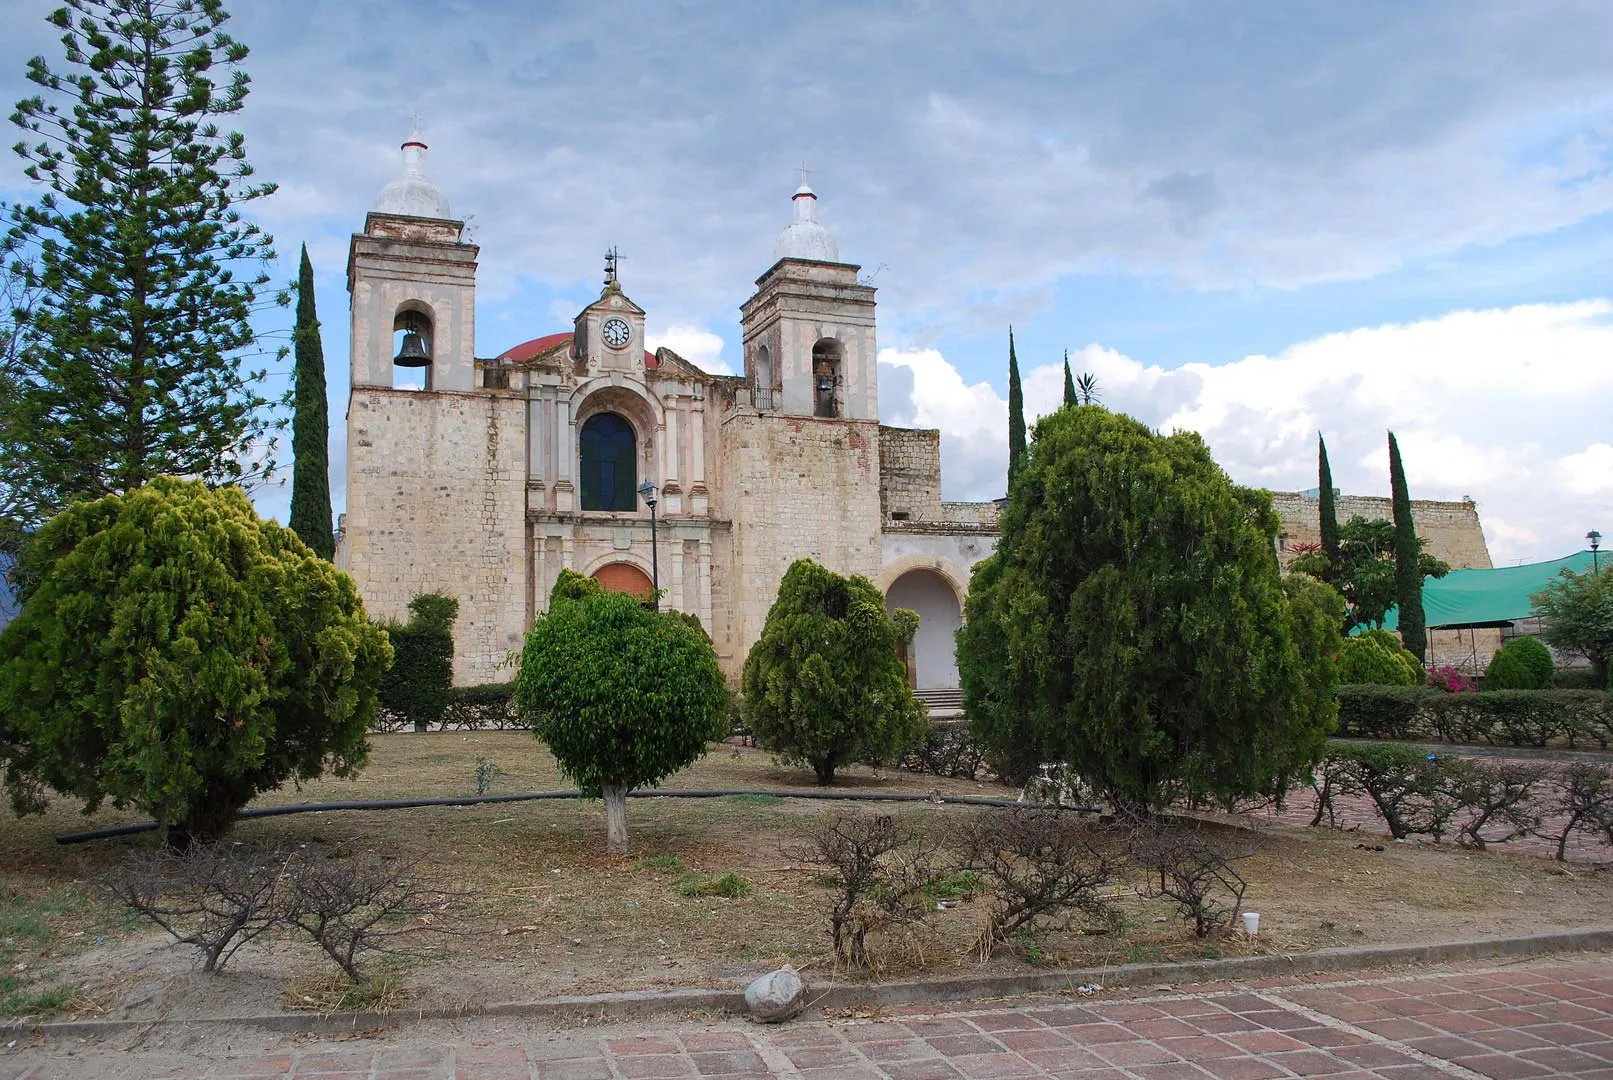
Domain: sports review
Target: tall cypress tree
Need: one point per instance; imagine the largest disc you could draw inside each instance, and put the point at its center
(1408, 571)
(310, 425)
(1016, 414)
(146, 275)
(1327, 510)
(1069, 383)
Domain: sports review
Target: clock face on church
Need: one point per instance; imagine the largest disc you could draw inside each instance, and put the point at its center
(616, 333)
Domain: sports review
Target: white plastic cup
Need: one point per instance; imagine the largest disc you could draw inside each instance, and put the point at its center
(1251, 923)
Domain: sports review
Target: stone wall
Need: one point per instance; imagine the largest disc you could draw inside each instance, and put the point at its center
(435, 503)
(971, 513)
(1451, 528)
(910, 473)
(790, 487)
(1453, 533)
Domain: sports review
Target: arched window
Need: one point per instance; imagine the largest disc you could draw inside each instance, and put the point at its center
(609, 463)
(826, 356)
(764, 378)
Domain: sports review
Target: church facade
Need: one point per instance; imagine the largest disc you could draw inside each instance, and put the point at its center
(484, 477)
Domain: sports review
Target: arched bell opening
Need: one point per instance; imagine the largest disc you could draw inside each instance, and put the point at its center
(763, 382)
(932, 657)
(827, 358)
(412, 347)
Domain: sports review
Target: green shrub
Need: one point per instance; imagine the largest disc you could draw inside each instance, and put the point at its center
(623, 695)
(730, 885)
(417, 687)
(1580, 678)
(1133, 625)
(483, 706)
(1383, 712)
(825, 685)
(1521, 664)
(1375, 658)
(1496, 718)
(181, 655)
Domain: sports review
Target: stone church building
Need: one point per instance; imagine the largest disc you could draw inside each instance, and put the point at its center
(484, 476)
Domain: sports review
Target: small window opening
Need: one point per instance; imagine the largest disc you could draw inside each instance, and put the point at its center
(899, 515)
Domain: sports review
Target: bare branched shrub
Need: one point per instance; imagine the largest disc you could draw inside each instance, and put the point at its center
(1190, 864)
(1583, 803)
(215, 898)
(1501, 800)
(1332, 778)
(882, 873)
(361, 905)
(1044, 867)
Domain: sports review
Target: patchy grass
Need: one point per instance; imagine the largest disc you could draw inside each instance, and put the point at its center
(729, 886)
(328, 990)
(552, 912)
(17, 1002)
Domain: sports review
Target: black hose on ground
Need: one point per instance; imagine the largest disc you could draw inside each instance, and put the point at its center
(646, 793)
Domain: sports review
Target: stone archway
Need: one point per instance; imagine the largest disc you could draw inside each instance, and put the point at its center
(624, 577)
(933, 663)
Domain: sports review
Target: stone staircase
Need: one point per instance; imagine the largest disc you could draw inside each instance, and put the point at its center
(945, 703)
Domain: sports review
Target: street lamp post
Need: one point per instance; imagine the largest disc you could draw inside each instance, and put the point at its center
(1596, 541)
(646, 491)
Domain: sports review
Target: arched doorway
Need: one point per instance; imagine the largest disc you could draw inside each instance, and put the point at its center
(624, 577)
(934, 661)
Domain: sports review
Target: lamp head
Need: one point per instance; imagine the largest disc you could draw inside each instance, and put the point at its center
(646, 492)
(1595, 538)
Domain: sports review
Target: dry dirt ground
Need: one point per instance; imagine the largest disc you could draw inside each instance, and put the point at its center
(549, 912)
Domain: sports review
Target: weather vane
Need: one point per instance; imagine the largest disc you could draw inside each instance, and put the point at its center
(611, 258)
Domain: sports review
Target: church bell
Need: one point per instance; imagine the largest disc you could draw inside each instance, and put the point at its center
(413, 351)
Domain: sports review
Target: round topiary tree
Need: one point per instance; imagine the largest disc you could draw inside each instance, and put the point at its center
(180, 655)
(1376, 657)
(624, 696)
(825, 684)
(1523, 663)
(1133, 625)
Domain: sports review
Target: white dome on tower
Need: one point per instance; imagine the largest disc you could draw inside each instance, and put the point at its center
(411, 194)
(804, 238)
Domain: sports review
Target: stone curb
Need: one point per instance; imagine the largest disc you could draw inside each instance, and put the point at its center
(647, 1004)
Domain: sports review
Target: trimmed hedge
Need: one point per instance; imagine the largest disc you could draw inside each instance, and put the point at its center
(1495, 718)
(1521, 664)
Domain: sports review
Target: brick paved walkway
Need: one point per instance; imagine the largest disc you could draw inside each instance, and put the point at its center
(1540, 1018)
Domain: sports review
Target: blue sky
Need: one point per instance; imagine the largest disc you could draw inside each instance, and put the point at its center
(1254, 220)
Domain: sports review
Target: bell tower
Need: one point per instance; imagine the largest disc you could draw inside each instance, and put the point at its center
(412, 281)
(808, 331)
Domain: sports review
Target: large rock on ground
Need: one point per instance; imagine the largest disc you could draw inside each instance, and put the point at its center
(776, 996)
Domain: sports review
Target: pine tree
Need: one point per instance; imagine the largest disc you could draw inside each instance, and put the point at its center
(1408, 571)
(310, 428)
(1016, 414)
(1327, 509)
(136, 249)
(1069, 383)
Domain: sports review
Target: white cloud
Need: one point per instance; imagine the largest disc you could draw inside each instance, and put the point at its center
(693, 343)
(1497, 405)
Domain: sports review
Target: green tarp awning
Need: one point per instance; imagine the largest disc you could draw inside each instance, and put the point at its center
(1464, 598)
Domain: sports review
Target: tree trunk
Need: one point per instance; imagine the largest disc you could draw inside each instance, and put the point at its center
(616, 819)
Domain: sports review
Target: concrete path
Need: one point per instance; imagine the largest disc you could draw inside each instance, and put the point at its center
(1545, 1018)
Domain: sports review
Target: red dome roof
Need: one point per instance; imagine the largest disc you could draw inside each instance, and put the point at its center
(528, 350)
